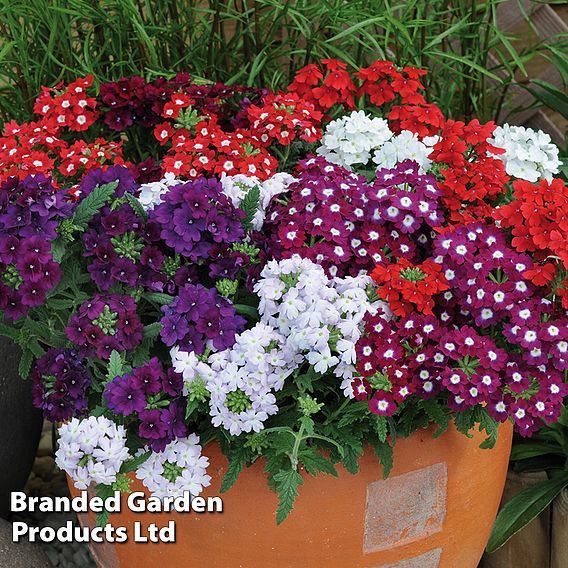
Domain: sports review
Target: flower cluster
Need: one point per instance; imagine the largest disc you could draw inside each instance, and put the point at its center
(196, 216)
(198, 318)
(471, 173)
(328, 208)
(91, 450)
(179, 468)
(154, 396)
(285, 117)
(68, 107)
(352, 138)
(30, 212)
(103, 324)
(60, 383)
(400, 269)
(538, 219)
(131, 100)
(240, 381)
(528, 154)
(407, 287)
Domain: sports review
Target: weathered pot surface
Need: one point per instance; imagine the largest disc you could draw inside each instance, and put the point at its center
(20, 424)
(435, 510)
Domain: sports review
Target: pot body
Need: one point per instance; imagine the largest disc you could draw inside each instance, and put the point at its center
(435, 510)
(20, 424)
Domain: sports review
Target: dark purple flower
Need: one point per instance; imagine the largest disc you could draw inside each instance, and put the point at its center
(152, 425)
(124, 397)
(59, 385)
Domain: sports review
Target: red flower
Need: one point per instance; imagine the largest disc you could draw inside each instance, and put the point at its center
(407, 287)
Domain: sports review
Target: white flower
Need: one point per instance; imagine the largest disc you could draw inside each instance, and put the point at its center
(91, 450)
(529, 154)
(150, 194)
(322, 360)
(350, 139)
(405, 146)
(236, 188)
(179, 468)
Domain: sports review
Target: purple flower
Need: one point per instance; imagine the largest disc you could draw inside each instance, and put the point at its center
(99, 176)
(152, 426)
(199, 316)
(124, 397)
(196, 215)
(59, 385)
(104, 324)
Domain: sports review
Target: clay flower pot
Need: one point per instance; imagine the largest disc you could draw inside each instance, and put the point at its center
(435, 510)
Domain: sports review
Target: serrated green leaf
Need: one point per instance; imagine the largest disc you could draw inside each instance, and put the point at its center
(381, 426)
(115, 365)
(351, 457)
(136, 206)
(36, 348)
(237, 461)
(523, 508)
(151, 331)
(159, 298)
(91, 205)
(26, 362)
(249, 205)
(314, 461)
(384, 452)
(10, 332)
(437, 414)
(308, 424)
(465, 421)
(286, 482)
(490, 426)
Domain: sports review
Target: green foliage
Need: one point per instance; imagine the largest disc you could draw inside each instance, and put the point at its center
(115, 365)
(91, 205)
(257, 42)
(26, 361)
(523, 508)
(287, 482)
(237, 461)
(134, 463)
(249, 205)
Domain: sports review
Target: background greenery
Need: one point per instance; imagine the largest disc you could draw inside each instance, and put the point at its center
(259, 42)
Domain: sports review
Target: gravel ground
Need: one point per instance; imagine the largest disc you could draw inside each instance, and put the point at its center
(47, 480)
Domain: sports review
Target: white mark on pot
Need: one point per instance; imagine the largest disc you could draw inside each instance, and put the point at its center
(405, 508)
(430, 559)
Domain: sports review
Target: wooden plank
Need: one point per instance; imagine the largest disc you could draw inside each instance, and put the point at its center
(559, 542)
(548, 23)
(530, 547)
(541, 121)
(512, 13)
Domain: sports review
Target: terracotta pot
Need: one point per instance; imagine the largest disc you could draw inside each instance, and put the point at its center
(20, 424)
(435, 510)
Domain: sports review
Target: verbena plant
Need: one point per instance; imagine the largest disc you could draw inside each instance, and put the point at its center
(291, 287)
(260, 42)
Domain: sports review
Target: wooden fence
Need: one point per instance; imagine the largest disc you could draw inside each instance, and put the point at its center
(546, 22)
